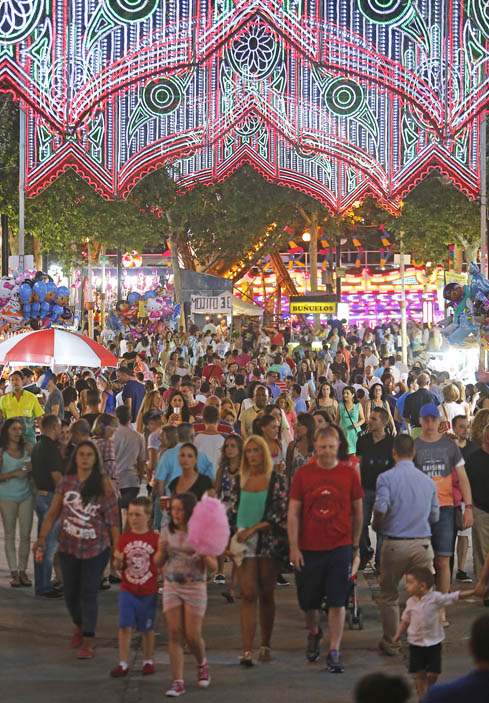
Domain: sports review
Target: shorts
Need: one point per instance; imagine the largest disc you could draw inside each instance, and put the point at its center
(127, 494)
(137, 611)
(442, 532)
(425, 659)
(251, 545)
(193, 597)
(467, 532)
(325, 574)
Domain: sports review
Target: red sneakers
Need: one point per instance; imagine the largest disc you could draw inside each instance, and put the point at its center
(119, 671)
(177, 689)
(76, 640)
(203, 676)
(147, 669)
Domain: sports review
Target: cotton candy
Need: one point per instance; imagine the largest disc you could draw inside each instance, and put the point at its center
(208, 527)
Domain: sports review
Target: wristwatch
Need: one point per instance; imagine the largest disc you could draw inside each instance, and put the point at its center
(468, 507)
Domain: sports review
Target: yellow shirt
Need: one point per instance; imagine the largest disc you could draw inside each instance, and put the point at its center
(27, 408)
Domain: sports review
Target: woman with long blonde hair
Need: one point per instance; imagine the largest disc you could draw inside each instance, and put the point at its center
(258, 514)
(151, 401)
(480, 420)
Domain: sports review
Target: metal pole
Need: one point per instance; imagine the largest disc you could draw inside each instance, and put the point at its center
(4, 245)
(119, 274)
(305, 276)
(90, 291)
(102, 294)
(21, 186)
(403, 306)
(483, 170)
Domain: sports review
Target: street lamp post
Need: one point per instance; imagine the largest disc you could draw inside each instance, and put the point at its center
(306, 237)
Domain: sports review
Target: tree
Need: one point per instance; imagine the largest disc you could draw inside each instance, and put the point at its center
(435, 215)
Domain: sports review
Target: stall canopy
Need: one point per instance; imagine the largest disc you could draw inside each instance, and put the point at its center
(241, 307)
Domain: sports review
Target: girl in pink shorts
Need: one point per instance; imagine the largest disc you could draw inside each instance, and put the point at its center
(184, 592)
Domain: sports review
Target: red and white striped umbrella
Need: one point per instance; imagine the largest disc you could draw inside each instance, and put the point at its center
(54, 347)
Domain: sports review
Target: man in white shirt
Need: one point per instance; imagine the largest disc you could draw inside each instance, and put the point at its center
(209, 327)
(370, 358)
(210, 441)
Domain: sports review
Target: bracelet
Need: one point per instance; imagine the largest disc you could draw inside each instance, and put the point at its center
(468, 507)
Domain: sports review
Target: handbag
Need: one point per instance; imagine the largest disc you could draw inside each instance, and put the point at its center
(444, 425)
(237, 549)
(458, 518)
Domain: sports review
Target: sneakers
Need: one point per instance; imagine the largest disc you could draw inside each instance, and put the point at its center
(85, 653)
(281, 581)
(463, 577)
(334, 663)
(119, 671)
(203, 676)
(313, 652)
(177, 689)
(76, 639)
(219, 578)
(148, 669)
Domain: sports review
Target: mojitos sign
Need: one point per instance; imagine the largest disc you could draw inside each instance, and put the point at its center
(212, 304)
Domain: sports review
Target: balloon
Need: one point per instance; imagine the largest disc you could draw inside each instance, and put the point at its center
(56, 312)
(35, 309)
(26, 310)
(133, 297)
(40, 290)
(45, 308)
(25, 292)
(150, 294)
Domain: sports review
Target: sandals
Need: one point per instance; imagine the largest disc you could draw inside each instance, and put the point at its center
(15, 580)
(24, 579)
(228, 596)
(246, 659)
(265, 654)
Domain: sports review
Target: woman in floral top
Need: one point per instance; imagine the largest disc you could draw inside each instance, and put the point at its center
(89, 523)
(258, 513)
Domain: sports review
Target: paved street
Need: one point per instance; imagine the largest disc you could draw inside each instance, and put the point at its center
(36, 662)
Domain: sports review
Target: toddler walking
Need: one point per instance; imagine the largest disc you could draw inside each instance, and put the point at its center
(423, 622)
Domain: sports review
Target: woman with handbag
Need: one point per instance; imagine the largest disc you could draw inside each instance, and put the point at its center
(377, 400)
(258, 515)
(351, 418)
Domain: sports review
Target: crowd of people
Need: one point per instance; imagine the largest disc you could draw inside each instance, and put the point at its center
(312, 447)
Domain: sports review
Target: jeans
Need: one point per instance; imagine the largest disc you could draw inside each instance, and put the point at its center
(81, 579)
(366, 550)
(42, 569)
(13, 511)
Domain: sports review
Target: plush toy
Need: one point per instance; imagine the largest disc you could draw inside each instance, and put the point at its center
(208, 528)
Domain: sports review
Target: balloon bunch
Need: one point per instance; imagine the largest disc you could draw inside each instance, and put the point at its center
(470, 305)
(141, 314)
(33, 302)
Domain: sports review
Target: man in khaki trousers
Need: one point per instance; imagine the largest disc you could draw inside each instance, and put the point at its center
(406, 504)
(478, 473)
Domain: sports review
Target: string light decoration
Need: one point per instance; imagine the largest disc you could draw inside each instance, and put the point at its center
(335, 98)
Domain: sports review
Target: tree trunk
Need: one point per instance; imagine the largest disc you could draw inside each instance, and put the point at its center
(471, 249)
(175, 264)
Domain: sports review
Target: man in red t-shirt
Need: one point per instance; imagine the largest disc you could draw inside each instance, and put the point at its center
(212, 369)
(324, 526)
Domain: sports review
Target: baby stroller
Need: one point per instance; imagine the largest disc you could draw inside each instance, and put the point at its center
(354, 616)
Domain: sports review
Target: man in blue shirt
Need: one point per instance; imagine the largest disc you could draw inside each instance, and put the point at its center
(168, 467)
(299, 402)
(475, 686)
(132, 392)
(406, 504)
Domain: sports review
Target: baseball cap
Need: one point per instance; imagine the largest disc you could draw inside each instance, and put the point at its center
(429, 409)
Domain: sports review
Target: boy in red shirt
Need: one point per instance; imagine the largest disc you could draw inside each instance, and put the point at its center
(139, 588)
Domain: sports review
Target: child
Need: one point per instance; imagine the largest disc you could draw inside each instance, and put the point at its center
(184, 592)
(134, 556)
(422, 620)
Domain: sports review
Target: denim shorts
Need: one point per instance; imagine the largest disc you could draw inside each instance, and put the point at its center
(137, 611)
(325, 574)
(442, 532)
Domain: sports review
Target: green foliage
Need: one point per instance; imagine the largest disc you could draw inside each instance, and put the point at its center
(435, 215)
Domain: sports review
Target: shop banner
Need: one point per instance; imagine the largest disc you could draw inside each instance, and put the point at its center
(212, 305)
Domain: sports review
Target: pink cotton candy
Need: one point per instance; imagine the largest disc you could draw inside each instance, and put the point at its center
(208, 527)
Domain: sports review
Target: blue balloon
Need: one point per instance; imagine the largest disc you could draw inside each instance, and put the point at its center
(150, 294)
(133, 298)
(51, 287)
(25, 292)
(26, 310)
(40, 289)
(63, 290)
(56, 312)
